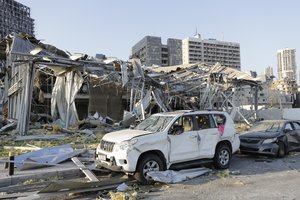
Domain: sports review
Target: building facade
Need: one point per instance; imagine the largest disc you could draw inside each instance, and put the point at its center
(151, 51)
(195, 49)
(269, 72)
(187, 51)
(286, 61)
(286, 86)
(15, 17)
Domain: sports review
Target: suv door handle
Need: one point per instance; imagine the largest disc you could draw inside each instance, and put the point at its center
(193, 136)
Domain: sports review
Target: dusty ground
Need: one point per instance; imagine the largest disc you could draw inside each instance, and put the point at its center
(249, 177)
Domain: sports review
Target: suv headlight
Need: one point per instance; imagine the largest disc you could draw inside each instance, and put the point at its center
(268, 141)
(126, 144)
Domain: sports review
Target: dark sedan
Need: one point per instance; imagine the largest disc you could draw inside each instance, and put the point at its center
(271, 137)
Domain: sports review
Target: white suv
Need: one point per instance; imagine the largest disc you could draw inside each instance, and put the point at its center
(170, 140)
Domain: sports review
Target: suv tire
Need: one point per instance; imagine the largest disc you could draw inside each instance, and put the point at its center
(222, 157)
(148, 162)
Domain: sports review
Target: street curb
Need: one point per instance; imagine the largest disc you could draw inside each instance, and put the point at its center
(60, 174)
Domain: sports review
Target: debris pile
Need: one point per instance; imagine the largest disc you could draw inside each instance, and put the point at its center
(57, 106)
(66, 88)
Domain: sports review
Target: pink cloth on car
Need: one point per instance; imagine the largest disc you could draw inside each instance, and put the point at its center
(221, 129)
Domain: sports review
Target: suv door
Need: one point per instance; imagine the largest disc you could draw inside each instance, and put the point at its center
(208, 135)
(184, 146)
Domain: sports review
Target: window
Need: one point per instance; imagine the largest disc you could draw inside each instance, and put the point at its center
(219, 119)
(296, 125)
(204, 122)
(186, 122)
(288, 126)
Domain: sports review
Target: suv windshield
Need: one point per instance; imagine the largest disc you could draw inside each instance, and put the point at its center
(267, 126)
(155, 123)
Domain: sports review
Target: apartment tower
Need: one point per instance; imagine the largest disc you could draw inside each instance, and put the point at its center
(195, 49)
(15, 17)
(151, 51)
(286, 61)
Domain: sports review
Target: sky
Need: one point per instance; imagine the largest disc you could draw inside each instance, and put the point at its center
(112, 27)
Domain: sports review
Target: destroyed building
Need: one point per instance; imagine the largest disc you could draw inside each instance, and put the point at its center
(43, 81)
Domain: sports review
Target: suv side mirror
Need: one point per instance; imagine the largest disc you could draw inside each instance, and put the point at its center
(176, 130)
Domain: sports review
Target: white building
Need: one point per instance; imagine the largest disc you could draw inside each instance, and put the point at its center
(195, 49)
(286, 61)
(151, 51)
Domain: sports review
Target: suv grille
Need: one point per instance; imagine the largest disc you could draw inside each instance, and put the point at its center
(107, 146)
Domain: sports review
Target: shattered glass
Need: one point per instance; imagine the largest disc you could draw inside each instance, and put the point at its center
(155, 123)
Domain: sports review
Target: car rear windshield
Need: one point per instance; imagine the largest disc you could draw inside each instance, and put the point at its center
(155, 123)
(267, 126)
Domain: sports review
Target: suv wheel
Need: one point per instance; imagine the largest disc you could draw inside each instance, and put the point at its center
(147, 163)
(222, 157)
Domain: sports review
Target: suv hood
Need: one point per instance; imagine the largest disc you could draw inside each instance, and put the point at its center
(127, 134)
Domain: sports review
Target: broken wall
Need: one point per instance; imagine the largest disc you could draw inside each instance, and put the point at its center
(63, 97)
(276, 114)
(106, 99)
(19, 83)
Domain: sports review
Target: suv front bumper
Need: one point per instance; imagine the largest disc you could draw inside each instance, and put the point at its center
(108, 165)
(125, 161)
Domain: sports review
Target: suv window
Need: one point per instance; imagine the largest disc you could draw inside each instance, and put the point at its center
(219, 119)
(155, 123)
(186, 122)
(204, 121)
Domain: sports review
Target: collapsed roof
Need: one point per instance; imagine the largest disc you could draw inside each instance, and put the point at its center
(193, 86)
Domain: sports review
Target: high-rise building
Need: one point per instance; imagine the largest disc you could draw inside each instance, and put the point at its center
(195, 49)
(15, 17)
(286, 61)
(269, 72)
(190, 50)
(151, 51)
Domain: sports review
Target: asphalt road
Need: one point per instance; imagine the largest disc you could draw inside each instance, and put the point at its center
(249, 177)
